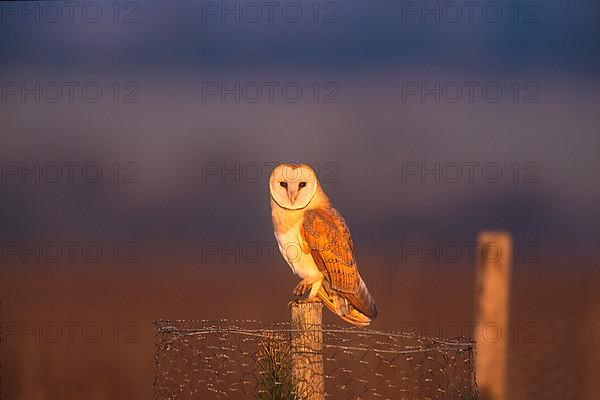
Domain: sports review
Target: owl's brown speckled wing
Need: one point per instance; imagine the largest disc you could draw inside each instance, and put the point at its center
(326, 234)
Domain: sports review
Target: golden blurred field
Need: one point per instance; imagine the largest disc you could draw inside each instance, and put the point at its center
(554, 312)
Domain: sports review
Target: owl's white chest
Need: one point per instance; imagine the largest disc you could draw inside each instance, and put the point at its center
(302, 264)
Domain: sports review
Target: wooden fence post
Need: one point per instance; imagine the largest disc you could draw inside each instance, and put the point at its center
(307, 349)
(494, 259)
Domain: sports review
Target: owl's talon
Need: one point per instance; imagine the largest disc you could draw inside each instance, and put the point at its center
(301, 288)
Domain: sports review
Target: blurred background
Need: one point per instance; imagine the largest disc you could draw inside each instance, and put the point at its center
(137, 139)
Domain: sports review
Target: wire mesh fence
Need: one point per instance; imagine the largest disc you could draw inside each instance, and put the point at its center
(254, 360)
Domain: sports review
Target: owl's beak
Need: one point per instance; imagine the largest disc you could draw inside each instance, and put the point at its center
(292, 195)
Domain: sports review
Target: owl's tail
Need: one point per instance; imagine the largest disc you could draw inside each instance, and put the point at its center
(357, 309)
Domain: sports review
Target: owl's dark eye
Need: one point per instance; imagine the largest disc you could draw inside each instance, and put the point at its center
(283, 184)
(302, 184)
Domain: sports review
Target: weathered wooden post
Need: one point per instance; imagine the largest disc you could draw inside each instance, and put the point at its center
(494, 259)
(307, 349)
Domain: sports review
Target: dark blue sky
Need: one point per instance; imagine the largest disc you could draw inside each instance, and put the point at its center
(552, 35)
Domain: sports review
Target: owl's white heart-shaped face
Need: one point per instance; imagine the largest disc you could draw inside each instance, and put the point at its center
(293, 186)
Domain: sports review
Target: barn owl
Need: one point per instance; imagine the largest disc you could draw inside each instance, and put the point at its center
(315, 242)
